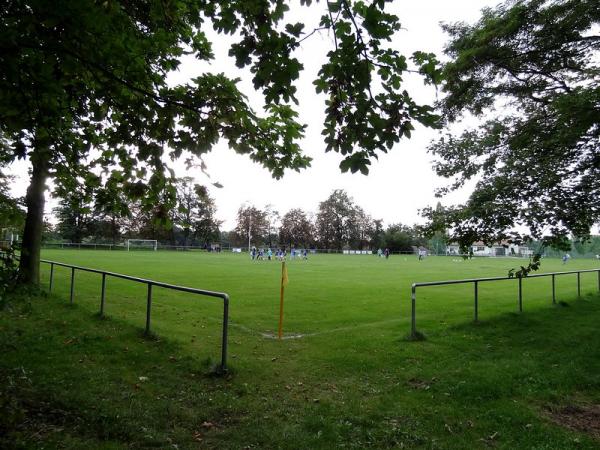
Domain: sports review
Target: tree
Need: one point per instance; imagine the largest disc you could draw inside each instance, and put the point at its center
(436, 228)
(398, 238)
(112, 207)
(361, 228)
(402, 238)
(12, 214)
(75, 215)
(155, 223)
(79, 220)
(252, 226)
(376, 235)
(272, 217)
(296, 229)
(195, 212)
(50, 233)
(84, 92)
(334, 222)
(529, 70)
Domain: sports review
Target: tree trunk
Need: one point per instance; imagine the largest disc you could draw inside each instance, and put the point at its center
(29, 267)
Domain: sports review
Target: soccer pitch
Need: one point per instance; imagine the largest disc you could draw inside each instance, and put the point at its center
(345, 377)
(359, 297)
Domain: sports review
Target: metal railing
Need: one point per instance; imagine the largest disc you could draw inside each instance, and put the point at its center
(476, 282)
(150, 284)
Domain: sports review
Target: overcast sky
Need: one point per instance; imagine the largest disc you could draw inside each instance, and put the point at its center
(399, 183)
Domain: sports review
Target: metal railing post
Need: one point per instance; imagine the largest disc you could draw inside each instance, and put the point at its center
(520, 294)
(413, 313)
(224, 338)
(148, 308)
(52, 276)
(72, 284)
(476, 302)
(578, 284)
(102, 295)
(554, 289)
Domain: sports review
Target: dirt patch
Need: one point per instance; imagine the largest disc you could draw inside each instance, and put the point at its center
(418, 384)
(584, 418)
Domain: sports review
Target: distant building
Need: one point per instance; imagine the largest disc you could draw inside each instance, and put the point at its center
(501, 249)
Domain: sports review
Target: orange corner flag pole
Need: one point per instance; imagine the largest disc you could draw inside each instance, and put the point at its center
(284, 282)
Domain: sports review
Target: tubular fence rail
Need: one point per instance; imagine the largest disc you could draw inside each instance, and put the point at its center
(150, 284)
(476, 282)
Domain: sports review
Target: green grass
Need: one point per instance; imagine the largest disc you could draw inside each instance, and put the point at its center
(350, 381)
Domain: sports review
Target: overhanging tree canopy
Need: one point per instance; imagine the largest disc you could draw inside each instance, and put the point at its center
(530, 70)
(92, 74)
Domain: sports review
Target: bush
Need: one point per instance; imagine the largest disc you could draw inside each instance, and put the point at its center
(8, 274)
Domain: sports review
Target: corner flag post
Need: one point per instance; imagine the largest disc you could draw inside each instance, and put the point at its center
(284, 282)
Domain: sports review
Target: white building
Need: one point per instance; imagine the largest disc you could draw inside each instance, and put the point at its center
(501, 249)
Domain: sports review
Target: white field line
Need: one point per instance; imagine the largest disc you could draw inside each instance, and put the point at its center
(336, 330)
(303, 335)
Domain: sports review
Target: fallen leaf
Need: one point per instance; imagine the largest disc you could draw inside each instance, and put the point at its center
(197, 436)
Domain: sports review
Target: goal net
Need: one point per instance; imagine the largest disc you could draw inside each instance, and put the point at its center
(141, 244)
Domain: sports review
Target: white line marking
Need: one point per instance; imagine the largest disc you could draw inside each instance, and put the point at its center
(303, 335)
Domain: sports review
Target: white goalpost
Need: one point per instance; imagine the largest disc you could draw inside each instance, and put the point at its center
(147, 244)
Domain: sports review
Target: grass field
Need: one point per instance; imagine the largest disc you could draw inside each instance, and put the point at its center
(328, 294)
(345, 377)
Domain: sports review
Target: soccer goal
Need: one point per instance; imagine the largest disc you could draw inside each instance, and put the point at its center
(141, 244)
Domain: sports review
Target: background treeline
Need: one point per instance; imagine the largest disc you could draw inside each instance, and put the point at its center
(339, 223)
(83, 217)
